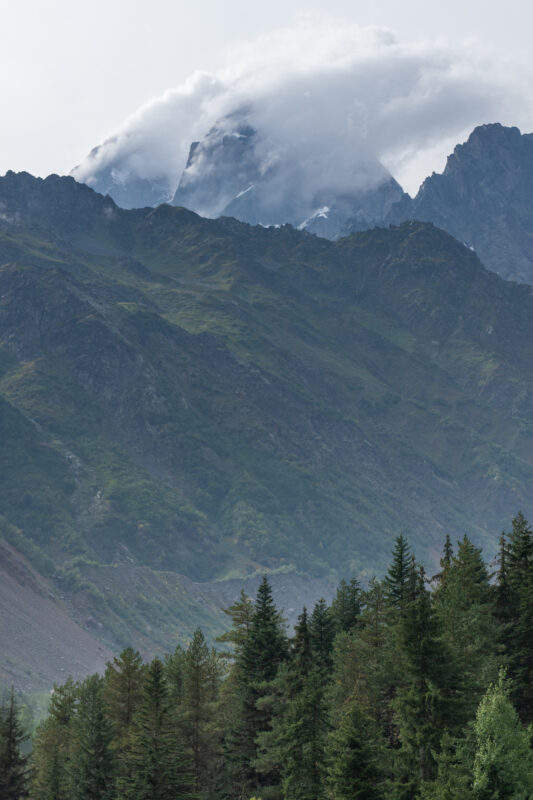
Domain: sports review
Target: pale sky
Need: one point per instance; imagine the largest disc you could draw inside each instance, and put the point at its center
(71, 72)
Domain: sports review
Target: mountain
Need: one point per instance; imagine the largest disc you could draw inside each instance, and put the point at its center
(236, 171)
(117, 179)
(484, 199)
(185, 403)
(232, 173)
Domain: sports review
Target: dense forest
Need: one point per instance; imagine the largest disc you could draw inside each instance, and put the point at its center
(412, 687)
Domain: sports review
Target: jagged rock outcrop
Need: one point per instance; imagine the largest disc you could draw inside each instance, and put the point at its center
(484, 198)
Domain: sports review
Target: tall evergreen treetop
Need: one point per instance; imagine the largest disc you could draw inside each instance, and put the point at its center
(156, 766)
(397, 578)
(346, 607)
(322, 630)
(241, 614)
(13, 764)
(266, 644)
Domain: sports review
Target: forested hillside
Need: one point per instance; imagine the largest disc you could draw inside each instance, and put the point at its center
(187, 401)
(411, 687)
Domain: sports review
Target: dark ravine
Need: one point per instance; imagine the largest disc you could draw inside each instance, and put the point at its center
(186, 403)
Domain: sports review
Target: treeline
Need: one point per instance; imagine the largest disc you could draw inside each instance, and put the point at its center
(410, 688)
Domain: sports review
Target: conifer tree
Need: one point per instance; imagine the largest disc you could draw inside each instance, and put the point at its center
(92, 767)
(156, 766)
(53, 746)
(122, 693)
(303, 741)
(464, 603)
(517, 616)
(353, 772)
(241, 614)
(263, 650)
(430, 703)
(201, 679)
(301, 652)
(174, 665)
(322, 630)
(454, 770)
(346, 607)
(14, 777)
(397, 579)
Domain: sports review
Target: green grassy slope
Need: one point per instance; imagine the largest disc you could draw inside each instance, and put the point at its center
(206, 398)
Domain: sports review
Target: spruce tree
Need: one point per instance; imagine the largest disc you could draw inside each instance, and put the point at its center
(301, 657)
(322, 630)
(92, 766)
(174, 665)
(122, 692)
(430, 703)
(353, 772)
(52, 747)
(346, 607)
(397, 578)
(263, 650)
(517, 616)
(156, 766)
(201, 678)
(14, 774)
(465, 605)
(241, 614)
(303, 741)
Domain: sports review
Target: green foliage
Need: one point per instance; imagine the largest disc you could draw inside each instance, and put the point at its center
(503, 764)
(353, 772)
(52, 749)
(14, 772)
(387, 710)
(515, 595)
(92, 765)
(155, 767)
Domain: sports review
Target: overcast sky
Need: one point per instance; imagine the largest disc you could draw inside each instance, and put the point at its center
(71, 72)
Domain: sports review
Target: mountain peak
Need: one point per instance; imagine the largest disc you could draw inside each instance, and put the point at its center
(483, 198)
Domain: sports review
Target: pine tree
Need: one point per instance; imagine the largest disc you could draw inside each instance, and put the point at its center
(464, 603)
(303, 741)
(353, 772)
(53, 746)
(454, 770)
(14, 777)
(122, 693)
(397, 579)
(322, 630)
(430, 703)
(346, 607)
(241, 614)
(301, 657)
(517, 616)
(156, 767)
(174, 665)
(263, 650)
(201, 679)
(92, 767)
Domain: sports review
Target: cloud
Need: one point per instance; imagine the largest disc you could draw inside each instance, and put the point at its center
(328, 99)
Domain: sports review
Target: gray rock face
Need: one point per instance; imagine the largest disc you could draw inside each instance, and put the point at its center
(127, 189)
(232, 173)
(484, 198)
